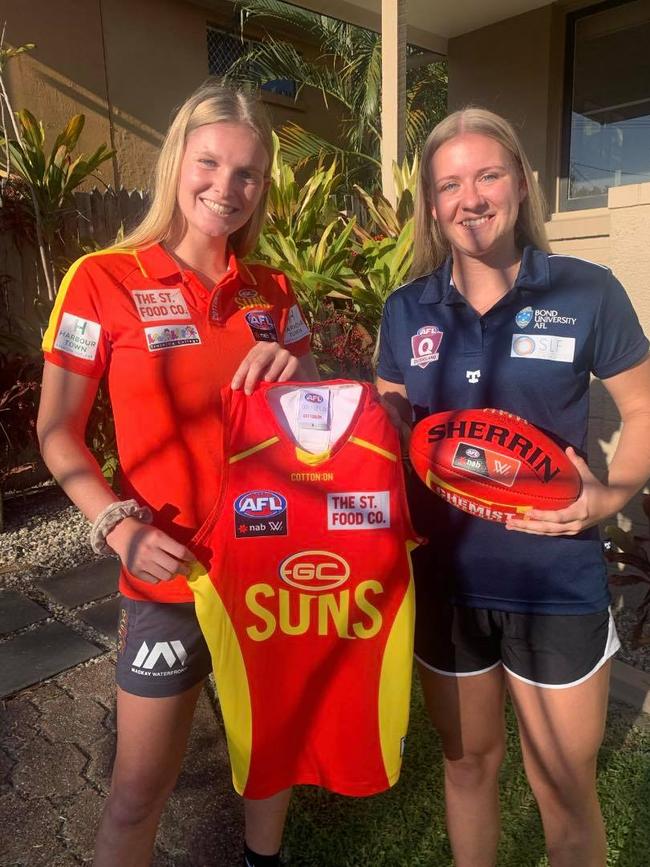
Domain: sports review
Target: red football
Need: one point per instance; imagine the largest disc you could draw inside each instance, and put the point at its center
(491, 463)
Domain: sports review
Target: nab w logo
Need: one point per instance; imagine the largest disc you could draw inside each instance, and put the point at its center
(502, 468)
(172, 652)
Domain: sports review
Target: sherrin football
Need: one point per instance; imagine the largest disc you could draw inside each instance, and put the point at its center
(492, 464)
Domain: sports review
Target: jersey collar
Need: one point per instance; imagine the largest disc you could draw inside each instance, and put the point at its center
(156, 263)
(533, 274)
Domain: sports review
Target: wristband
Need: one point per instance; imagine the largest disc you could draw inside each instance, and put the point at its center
(110, 517)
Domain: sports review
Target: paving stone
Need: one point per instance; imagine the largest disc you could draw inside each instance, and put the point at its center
(96, 680)
(84, 583)
(6, 767)
(103, 616)
(72, 720)
(50, 770)
(204, 815)
(18, 723)
(101, 754)
(32, 843)
(18, 611)
(41, 653)
(81, 820)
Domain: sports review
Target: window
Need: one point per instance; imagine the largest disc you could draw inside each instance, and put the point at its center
(607, 127)
(224, 49)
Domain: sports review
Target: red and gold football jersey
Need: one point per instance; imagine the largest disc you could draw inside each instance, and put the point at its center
(306, 596)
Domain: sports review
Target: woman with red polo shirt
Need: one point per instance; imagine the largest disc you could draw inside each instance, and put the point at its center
(170, 316)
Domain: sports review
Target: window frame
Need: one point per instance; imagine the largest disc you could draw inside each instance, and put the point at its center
(585, 202)
(264, 89)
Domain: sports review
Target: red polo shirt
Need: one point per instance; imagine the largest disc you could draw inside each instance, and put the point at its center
(168, 345)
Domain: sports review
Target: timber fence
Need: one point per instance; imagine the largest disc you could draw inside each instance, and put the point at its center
(93, 222)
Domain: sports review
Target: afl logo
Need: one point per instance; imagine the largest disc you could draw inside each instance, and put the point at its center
(524, 317)
(524, 345)
(260, 319)
(472, 453)
(314, 571)
(260, 504)
(314, 398)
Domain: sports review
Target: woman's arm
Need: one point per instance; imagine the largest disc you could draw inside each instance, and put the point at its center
(66, 401)
(629, 469)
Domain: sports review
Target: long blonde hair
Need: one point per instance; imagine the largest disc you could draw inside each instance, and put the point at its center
(213, 102)
(430, 247)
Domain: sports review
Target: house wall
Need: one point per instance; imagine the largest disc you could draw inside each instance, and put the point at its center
(126, 64)
(516, 68)
(506, 67)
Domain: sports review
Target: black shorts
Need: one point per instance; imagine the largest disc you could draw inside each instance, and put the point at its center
(160, 648)
(549, 650)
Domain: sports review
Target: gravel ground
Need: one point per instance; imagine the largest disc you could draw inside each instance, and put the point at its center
(44, 534)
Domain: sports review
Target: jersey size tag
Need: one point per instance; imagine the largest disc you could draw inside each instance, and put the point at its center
(160, 304)
(543, 346)
(313, 408)
(78, 337)
(296, 328)
(358, 510)
(171, 336)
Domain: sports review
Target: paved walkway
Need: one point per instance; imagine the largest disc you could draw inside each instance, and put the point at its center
(57, 735)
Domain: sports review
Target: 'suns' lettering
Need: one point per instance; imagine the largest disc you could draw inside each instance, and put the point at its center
(344, 614)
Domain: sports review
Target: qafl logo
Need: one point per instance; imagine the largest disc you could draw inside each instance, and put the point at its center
(314, 571)
(425, 345)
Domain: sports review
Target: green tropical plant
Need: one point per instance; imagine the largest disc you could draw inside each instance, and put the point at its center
(629, 550)
(52, 176)
(346, 71)
(305, 236)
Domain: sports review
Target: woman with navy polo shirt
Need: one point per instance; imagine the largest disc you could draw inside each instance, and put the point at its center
(520, 608)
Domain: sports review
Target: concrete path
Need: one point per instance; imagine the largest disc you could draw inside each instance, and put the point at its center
(57, 735)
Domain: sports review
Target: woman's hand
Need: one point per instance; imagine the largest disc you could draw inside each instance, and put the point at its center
(267, 361)
(595, 503)
(148, 553)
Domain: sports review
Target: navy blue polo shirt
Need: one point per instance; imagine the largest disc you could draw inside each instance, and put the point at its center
(532, 354)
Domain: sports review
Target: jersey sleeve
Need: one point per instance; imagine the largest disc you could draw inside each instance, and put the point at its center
(619, 339)
(387, 367)
(295, 334)
(76, 337)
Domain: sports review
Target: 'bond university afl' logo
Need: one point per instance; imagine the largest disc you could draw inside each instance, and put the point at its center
(425, 345)
(260, 513)
(524, 317)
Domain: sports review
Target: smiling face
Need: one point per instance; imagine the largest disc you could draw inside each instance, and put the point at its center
(476, 192)
(222, 178)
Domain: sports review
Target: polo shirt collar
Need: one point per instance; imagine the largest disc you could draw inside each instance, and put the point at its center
(157, 263)
(533, 274)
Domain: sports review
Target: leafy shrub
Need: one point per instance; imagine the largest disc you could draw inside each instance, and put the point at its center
(20, 390)
(628, 550)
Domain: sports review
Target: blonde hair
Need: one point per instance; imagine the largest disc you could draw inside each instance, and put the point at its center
(430, 247)
(213, 102)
